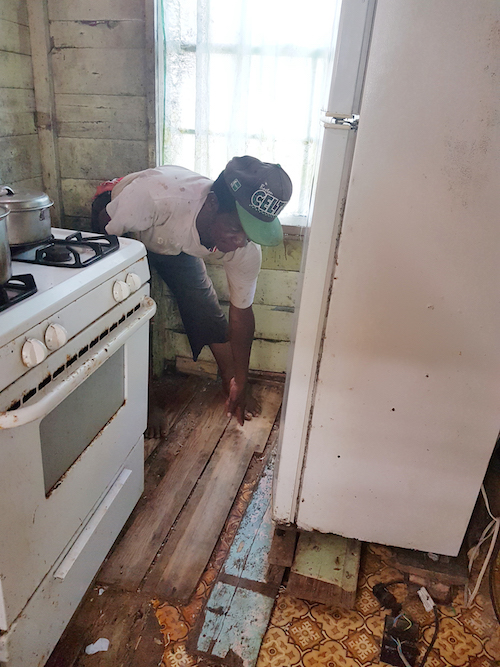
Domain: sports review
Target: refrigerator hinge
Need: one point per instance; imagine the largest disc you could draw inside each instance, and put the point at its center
(341, 122)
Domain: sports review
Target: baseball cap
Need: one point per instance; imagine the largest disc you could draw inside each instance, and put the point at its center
(261, 191)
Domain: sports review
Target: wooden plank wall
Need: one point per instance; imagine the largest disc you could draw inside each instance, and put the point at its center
(99, 70)
(273, 308)
(20, 163)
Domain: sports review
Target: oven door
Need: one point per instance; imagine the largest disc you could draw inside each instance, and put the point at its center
(65, 447)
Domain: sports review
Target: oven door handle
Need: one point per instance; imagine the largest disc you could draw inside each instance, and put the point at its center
(41, 408)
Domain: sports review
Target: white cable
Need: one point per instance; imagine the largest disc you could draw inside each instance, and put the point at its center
(491, 530)
(401, 654)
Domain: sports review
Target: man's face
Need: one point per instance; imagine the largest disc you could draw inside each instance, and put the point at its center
(227, 232)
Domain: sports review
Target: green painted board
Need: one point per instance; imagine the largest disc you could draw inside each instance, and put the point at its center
(329, 558)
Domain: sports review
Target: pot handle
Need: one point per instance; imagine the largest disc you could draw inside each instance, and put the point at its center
(6, 190)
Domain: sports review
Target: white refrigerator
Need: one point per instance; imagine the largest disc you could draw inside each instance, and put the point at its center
(392, 404)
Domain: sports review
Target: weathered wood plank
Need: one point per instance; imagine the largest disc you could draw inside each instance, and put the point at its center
(201, 368)
(154, 81)
(248, 556)
(14, 37)
(77, 223)
(447, 570)
(99, 71)
(325, 569)
(95, 10)
(100, 158)
(266, 355)
(236, 625)
(28, 184)
(180, 564)
(176, 572)
(77, 196)
(195, 440)
(15, 70)
(17, 112)
(286, 257)
(274, 288)
(20, 158)
(157, 466)
(283, 544)
(101, 116)
(14, 10)
(244, 590)
(127, 620)
(95, 34)
(271, 322)
(170, 395)
(44, 104)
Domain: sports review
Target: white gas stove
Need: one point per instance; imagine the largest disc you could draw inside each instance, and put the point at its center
(73, 405)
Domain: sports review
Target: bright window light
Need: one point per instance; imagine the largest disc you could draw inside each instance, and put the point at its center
(245, 77)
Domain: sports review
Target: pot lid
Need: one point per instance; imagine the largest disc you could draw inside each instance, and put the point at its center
(23, 200)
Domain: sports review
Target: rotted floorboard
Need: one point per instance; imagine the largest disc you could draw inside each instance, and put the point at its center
(237, 613)
(126, 619)
(172, 395)
(187, 550)
(170, 480)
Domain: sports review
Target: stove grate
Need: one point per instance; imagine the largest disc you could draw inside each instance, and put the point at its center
(73, 252)
(16, 289)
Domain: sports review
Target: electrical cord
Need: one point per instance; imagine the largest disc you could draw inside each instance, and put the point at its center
(388, 601)
(493, 588)
(434, 636)
(491, 530)
(400, 652)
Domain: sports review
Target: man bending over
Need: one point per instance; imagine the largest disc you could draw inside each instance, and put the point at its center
(181, 217)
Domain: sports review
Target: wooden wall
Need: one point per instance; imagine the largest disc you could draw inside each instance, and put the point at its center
(99, 77)
(20, 163)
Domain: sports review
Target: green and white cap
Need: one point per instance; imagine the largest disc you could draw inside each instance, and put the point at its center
(261, 190)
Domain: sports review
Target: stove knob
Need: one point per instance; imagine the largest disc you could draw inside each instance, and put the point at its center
(33, 352)
(55, 336)
(120, 290)
(133, 281)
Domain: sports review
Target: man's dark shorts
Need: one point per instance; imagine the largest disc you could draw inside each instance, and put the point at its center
(187, 278)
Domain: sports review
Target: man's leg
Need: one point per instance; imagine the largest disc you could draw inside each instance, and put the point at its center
(202, 317)
(224, 358)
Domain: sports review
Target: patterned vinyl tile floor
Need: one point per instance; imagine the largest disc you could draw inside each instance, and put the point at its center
(305, 634)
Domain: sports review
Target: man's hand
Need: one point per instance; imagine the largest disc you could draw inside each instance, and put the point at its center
(240, 402)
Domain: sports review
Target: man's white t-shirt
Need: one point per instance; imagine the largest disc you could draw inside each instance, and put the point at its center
(161, 205)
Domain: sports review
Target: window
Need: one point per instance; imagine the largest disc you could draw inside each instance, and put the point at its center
(245, 77)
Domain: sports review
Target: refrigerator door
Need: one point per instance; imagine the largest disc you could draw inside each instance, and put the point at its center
(330, 189)
(406, 410)
(329, 194)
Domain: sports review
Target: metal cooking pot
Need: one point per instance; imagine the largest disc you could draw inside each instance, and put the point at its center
(5, 265)
(29, 216)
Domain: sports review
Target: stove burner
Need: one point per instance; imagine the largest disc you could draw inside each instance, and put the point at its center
(16, 289)
(73, 252)
(56, 253)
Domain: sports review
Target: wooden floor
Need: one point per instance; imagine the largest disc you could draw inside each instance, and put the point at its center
(191, 480)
